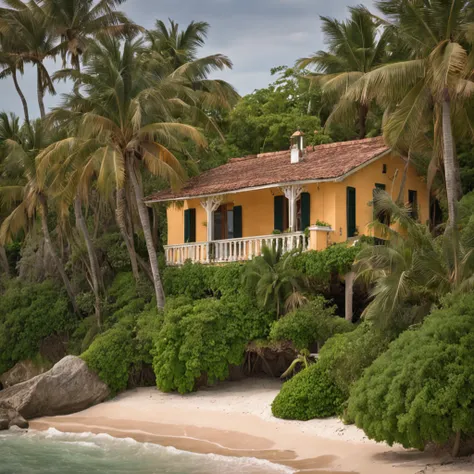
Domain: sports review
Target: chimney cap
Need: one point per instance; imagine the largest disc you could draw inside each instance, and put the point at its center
(298, 133)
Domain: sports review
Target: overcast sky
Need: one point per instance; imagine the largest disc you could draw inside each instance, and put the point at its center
(256, 35)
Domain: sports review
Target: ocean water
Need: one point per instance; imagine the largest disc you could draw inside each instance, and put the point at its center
(52, 452)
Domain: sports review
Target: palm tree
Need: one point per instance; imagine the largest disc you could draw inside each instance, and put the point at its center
(426, 94)
(277, 285)
(356, 47)
(12, 64)
(76, 22)
(126, 122)
(28, 24)
(30, 194)
(413, 269)
(178, 46)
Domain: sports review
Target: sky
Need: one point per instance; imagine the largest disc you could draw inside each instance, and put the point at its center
(255, 34)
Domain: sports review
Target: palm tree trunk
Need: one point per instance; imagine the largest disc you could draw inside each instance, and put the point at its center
(43, 211)
(40, 92)
(4, 261)
(121, 222)
(448, 158)
(22, 98)
(363, 111)
(145, 221)
(457, 445)
(94, 263)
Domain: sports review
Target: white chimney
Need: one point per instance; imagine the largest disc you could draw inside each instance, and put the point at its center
(297, 146)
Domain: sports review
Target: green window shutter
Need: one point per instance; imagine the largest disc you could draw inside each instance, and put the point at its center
(238, 222)
(351, 211)
(190, 225)
(305, 210)
(278, 213)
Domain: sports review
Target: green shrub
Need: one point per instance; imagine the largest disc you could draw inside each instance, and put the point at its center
(29, 313)
(345, 356)
(421, 389)
(115, 353)
(309, 394)
(125, 297)
(199, 281)
(315, 322)
(203, 338)
(320, 265)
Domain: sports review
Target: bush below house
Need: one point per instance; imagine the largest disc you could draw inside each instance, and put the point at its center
(421, 389)
(312, 324)
(309, 394)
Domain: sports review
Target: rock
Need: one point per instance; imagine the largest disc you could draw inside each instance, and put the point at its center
(22, 371)
(10, 417)
(67, 388)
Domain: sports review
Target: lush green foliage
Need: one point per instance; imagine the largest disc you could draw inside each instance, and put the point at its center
(315, 322)
(346, 356)
(28, 314)
(203, 338)
(309, 394)
(422, 389)
(319, 266)
(274, 281)
(117, 351)
(264, 120)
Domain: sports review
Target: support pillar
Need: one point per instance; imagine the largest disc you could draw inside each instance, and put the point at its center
(210, 204)
(292, 193)
(349, 284)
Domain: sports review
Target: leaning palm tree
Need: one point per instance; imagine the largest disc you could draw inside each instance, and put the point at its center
(413, 269)
(126, 122)
(29, 194)
(356, 47)
(12, 64)
(425, 95)
(35, 41)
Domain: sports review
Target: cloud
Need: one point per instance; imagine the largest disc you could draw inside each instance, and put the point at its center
(255, 34)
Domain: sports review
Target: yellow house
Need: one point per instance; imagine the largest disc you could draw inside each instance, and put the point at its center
(228, 213)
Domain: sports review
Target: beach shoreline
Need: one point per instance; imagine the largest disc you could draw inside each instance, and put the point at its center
(234, 419)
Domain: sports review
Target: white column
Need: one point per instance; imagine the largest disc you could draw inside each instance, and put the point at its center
(211, 204)
(292, 193)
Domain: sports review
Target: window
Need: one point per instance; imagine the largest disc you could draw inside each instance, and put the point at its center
(351, 211)
(384, 169)
(224, 222)
(280, 213)
(228, 222)
(190, 225)
(413, 203)
(383, 217)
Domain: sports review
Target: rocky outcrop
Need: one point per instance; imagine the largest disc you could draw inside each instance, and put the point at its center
(10, 417)
(67, 388)
(24, 370)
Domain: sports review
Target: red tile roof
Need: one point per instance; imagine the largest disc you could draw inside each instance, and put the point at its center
(324, 162)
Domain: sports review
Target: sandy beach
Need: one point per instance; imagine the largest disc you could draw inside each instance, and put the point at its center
(234, 419)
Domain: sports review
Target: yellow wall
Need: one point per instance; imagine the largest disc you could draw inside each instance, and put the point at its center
(328, 203)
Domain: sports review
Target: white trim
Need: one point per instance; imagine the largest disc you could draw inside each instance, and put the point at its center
(277, 185)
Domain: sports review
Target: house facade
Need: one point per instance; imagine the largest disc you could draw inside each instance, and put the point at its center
(305, 197)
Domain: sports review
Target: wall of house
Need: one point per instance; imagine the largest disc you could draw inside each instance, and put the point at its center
(328, 203)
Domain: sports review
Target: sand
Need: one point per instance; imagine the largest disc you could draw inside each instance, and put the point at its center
(234, 419)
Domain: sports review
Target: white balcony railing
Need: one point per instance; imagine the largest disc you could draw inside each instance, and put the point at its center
(232, 250)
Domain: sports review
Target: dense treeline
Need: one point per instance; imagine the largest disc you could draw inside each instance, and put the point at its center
(81, 263)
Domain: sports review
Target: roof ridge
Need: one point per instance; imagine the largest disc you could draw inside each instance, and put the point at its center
(348, 142)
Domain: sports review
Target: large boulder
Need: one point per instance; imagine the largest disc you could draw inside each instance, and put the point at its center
(22, 371)
(10, 417)
(67, 388)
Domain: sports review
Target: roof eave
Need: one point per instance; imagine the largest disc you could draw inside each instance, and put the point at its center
(275, 185)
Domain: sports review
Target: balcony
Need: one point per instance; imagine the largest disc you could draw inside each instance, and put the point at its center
(233, 250)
